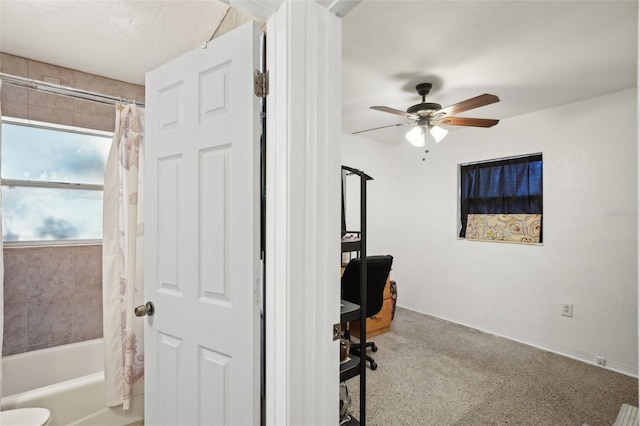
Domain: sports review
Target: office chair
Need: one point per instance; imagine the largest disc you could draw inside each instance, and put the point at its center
(378, 268)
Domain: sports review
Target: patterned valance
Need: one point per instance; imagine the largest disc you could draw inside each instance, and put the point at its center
(508, 228)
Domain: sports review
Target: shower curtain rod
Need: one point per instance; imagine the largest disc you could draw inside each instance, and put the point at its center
(57, 89)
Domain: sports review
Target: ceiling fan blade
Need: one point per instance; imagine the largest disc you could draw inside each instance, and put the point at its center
(396, 112)
(382, 127)
(465, 121)
(472, 103)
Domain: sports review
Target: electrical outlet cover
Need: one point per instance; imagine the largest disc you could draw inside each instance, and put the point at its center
(567, 310)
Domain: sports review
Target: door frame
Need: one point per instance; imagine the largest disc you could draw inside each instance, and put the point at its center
(304, 49)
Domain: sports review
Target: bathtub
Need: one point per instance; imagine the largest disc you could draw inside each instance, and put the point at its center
(69, 381)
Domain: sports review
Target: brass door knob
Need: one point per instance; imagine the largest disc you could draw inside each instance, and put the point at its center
(147, 309)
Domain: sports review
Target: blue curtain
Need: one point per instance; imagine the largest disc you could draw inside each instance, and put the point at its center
(501, 187)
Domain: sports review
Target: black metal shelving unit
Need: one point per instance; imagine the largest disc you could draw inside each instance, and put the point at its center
(352, 312)
(349, 312)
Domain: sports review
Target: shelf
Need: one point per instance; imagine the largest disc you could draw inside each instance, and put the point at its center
(349, 311)
(350, 244)
(350, 368)
(356, 241)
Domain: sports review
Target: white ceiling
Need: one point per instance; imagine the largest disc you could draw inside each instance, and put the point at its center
(532, 54)
(116, 39)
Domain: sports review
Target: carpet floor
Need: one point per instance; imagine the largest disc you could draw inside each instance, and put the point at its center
(434, 372)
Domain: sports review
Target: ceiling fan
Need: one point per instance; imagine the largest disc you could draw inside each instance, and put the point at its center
(427, 116)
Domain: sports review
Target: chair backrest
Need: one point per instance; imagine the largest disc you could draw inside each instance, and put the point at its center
(378, 268)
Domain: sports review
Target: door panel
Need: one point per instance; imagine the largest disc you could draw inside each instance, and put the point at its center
(202, 236)
(169, 202)
(215, 221)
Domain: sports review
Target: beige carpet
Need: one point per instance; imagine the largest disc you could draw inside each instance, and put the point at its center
(433, 372)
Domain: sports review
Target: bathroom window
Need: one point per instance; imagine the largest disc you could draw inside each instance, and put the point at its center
(52, 181)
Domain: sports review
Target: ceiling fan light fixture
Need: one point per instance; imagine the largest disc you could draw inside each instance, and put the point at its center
(417, 136)
(438, 133)
(426, 113)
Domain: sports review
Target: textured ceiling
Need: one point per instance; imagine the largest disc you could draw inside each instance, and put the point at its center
(532, 54)
(117, 39)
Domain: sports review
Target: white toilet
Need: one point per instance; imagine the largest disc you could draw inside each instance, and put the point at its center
(25, 417)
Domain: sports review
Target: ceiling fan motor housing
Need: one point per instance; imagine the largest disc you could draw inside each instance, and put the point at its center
(424, 108)
(423, 89)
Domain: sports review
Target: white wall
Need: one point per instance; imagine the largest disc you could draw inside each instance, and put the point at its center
(589, 256)
(375, 159)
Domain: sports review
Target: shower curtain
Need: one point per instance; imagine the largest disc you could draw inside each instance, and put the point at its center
(122, 258)
(1, 266)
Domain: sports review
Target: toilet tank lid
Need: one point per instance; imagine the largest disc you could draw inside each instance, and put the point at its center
(25, 417)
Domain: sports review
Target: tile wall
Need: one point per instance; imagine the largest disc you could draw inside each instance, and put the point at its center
(21, 102)
(52, 296)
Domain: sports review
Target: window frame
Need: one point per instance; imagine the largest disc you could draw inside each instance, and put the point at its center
(491, 160)
(49, 184)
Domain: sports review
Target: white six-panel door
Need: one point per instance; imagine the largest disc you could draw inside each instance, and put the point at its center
(202, 236)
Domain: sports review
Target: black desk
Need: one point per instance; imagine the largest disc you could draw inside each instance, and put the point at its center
(349, 311)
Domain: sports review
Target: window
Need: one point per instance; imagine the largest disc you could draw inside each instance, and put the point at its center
(508, 186)
(52, 180)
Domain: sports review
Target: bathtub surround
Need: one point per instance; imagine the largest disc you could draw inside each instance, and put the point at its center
(73, 391)
(122, 253)
(52, 296)
(20, 102)
(56, 89)
(77, 271)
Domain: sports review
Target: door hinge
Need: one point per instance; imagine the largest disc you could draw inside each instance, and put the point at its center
(261, 83)
(336, 331)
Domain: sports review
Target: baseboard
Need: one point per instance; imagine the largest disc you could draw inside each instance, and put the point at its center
(611, 365)
(627, 416)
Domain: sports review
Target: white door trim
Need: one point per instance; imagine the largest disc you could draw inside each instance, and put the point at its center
(304, 49)
(303, 246)
(303, 205)
(264, 9)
